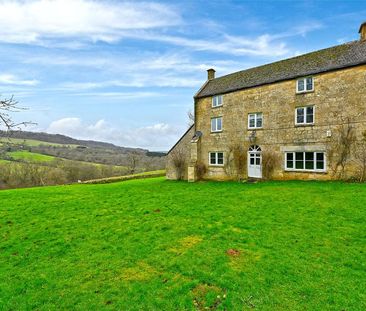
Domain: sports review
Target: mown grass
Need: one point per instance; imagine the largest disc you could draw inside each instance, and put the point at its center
(161, 245)
(27, 156)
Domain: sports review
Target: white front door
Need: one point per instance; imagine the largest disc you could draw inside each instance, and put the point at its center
(255, 162)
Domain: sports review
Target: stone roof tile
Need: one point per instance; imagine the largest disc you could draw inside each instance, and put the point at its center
(337, 57)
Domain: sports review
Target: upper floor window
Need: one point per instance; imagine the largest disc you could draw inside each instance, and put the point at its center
(216, 124)
(304, 115)
(217, 101)
(305, 85)
(216, 158)
(255, 120)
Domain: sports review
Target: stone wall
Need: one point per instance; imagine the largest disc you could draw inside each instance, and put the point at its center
(338, 96)
(181, 150)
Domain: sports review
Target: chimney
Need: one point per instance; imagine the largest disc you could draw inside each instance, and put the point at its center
(362, 32)
(211, 74)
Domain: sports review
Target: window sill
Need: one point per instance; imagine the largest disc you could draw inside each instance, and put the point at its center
(216, 132)
(304, 92)
(213, 107)
(255, 128)
(302, 125)
(216, 165)
(305, 171)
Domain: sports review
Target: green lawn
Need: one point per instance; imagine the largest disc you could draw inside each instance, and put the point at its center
(160, 245)
(30, 156)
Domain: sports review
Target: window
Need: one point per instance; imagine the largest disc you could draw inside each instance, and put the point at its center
(255, 120)
(216, 158)
(305, 85)
(305, 161)
(216, 124)
(217, 101)
(304, 115)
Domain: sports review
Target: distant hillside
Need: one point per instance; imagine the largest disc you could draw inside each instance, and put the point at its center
(37, 159)
(66, 140)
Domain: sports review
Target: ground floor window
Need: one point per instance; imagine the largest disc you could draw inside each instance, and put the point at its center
(305, 161)
(216, 158)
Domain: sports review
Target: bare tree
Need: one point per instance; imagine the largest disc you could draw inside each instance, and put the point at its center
(340, 150)
(190, 116)
(7, 107)
(133, 161)
(270, 161)
(179, 162)
(236, 160)
(360, 157)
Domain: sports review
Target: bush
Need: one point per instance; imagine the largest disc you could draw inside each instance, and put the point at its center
(201, 170)
(269, 162)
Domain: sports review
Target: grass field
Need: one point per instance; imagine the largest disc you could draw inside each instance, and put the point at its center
(160, 245)
(30, 142)
(38, 158)
(30, 156)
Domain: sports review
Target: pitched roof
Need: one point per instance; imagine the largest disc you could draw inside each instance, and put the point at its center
(180, 139)
(363, 24)
(337, 57)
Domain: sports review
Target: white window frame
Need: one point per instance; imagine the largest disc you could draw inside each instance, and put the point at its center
(305, 90)
(214, 129)
(216, 153)
(217, 101)
(255, 114)
(305, 115)
(315, 170)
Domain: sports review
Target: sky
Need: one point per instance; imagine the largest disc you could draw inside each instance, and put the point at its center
(126, 72)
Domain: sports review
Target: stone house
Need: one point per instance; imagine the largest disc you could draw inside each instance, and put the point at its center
(299, 118)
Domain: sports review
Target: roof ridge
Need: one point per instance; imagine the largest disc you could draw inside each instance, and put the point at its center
(286, 59)
(332, 58)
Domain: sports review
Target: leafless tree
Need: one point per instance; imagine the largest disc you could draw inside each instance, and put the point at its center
(236, 161)
(360, 157)
(270, 161)
(201, 170)
(179, 162)
(340, 150)
(7, 107)
(190, 116)
(133, 161)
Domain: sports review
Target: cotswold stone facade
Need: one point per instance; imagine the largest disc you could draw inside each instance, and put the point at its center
(180, 152)
(302, 118)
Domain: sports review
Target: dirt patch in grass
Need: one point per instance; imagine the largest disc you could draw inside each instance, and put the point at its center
(242, 260)
(186, 244)
(233, 252)
(208, 297)
(141, 272)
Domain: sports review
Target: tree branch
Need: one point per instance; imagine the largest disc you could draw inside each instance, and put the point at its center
(7, 107)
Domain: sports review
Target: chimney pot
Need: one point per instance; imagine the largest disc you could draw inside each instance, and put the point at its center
(211, 74)
(362, 32)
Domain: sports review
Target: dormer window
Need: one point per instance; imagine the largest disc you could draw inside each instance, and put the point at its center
(304, 85)
(217, 101)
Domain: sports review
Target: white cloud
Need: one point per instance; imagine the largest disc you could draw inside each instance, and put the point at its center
(159, 136)
(262, 45)
(10, 79)
(36, 20)
(71, 23)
